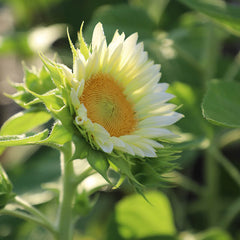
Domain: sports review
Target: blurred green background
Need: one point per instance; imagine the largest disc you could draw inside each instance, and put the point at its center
(195, 42)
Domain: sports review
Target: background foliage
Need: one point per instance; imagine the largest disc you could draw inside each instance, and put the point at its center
(197, 43)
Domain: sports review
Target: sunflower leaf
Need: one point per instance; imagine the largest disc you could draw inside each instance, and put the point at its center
(222, 13)
(23, 122)
(99, 162)
(24, 139)
(221, 104)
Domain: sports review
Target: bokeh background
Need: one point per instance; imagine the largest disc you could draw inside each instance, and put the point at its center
(203, 201)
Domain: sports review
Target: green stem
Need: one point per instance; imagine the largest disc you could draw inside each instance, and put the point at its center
(211, 194)
(65, 220)
(229, 167)
(30, 218)
(187, 183)
(232, 211)
(28, 207)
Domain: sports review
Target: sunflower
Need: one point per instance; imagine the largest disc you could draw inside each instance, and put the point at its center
(119, 104)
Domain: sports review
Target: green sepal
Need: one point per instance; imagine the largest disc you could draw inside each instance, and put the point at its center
(56, 106)
(74, 51)
(82, 147)
(40, 82)
(83, 46)
(58, 136)
(98, 161)
(125, 168)
(57, 75)
(6, 193)
(152, 171)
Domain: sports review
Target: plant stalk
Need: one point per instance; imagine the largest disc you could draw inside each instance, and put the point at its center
(65, 219)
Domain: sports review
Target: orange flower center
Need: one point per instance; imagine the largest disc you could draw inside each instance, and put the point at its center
(107, 105)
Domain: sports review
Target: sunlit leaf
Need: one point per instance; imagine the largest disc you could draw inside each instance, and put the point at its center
(18, 140)
(23, 122)
(138, 218)
(221, 104)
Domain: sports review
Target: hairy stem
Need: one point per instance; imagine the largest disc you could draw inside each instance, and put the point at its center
(65, 219)
(30, 218)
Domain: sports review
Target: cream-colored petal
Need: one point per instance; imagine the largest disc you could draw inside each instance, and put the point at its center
(79, 66)
(160, 121)
(155, 133)
(98, 36)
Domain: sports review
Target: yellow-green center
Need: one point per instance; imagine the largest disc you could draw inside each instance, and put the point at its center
(107, 105)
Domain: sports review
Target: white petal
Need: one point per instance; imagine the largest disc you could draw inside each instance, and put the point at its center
(79, 65)
(74, 99)
(154, 132)
(98, 36)
(67, 72)
(160, 121)
(149, 100)
(117, 142)
(147, 149)
(102, 138)
(80, 88)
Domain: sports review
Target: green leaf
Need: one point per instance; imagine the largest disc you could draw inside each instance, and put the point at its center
(119, 17)
(221, 104)
(138, 218)
(214, 234)
(219, 11)
(25, 121)
(154, 8)
(99, 162)
(190, 100)
(24, 139)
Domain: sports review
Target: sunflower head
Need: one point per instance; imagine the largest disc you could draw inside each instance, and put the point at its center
(115, 106)
(119, 104)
